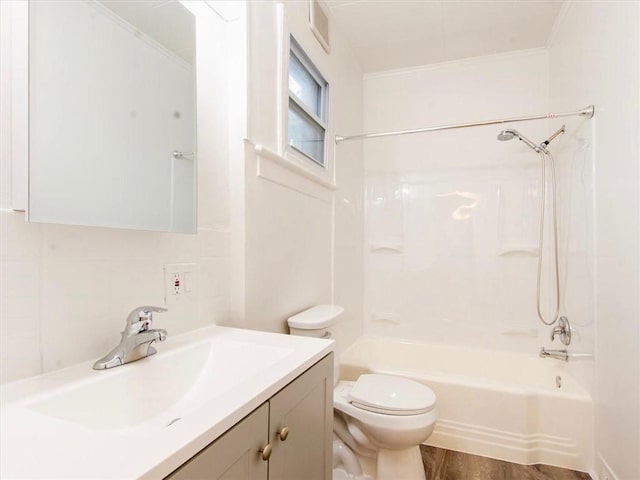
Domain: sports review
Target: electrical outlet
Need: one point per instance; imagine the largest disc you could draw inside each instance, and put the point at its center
(179, 281)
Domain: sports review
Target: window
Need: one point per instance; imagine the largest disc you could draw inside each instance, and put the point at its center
(307, 114)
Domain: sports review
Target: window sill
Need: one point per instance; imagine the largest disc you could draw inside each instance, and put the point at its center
(290, 165)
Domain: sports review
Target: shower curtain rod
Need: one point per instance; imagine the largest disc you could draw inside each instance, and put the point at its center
(585, 112)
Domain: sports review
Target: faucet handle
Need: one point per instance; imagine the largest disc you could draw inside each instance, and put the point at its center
(140, 318)
(563, 329)
(556, 331)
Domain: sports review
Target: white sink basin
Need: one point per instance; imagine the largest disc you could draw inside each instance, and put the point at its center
(158, 391)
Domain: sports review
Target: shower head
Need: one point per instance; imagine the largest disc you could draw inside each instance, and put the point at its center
(505, 135)
(509, 134)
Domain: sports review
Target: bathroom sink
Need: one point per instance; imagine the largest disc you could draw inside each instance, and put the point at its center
(158, 391)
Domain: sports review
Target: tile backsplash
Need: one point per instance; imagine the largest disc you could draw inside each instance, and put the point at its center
(66, 290)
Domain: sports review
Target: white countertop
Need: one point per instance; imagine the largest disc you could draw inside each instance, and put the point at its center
(40, 439)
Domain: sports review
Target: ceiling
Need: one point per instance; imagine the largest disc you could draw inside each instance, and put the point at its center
(168, 22)
(393, 34)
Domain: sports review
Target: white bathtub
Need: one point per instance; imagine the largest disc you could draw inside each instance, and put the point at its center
(496, 404)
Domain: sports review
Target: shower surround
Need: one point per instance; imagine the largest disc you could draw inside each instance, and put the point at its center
(451, 257)
(452, 217)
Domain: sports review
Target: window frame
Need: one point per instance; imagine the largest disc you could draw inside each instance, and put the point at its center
(296, 50)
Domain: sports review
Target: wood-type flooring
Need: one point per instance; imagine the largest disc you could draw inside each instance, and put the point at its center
(440, 464)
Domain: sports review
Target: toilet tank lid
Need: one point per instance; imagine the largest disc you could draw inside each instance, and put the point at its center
(320, 316)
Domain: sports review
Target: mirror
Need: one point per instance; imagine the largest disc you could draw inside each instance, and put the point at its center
(112, 129)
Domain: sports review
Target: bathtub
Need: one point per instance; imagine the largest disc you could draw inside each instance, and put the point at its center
(509, 406)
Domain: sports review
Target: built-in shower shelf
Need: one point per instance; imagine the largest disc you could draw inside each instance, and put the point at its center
(386, 247)
(518, 251)
(386, 317)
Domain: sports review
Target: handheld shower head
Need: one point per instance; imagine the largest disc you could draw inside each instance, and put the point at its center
(509, 134)
(505, 135)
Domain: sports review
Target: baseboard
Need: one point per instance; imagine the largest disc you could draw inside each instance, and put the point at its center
(508, 446)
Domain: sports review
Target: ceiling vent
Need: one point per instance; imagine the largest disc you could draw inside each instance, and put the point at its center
(319, 22)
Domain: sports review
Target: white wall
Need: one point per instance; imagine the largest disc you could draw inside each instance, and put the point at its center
(594, 58)
(303, 239)
(65, 290)
(462, 207)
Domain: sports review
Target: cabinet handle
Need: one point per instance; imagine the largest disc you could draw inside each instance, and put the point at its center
(283, 433)
(266, 452)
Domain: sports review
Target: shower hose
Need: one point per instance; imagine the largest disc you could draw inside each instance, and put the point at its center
(543, 202)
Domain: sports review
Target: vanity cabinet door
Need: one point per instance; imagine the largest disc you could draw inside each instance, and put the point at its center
(233, 456)
(305, 409)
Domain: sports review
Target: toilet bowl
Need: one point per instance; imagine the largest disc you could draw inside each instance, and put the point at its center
(391, 416)
(384, 417)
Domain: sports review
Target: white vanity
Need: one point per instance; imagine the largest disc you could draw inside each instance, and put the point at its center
(213, 403)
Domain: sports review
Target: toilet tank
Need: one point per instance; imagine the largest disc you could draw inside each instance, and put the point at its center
(315, 321)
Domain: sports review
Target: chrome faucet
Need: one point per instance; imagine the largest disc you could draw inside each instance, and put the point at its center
(136, 341)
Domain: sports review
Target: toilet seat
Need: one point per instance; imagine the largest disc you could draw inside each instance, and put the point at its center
(393, 413)
(391, 395)
(389, 431)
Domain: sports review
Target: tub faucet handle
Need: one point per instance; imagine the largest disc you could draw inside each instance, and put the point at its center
(563, 330)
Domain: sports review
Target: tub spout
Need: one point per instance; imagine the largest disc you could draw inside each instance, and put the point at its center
(557, 354)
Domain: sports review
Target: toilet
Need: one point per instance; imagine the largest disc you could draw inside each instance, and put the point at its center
(379, 417)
